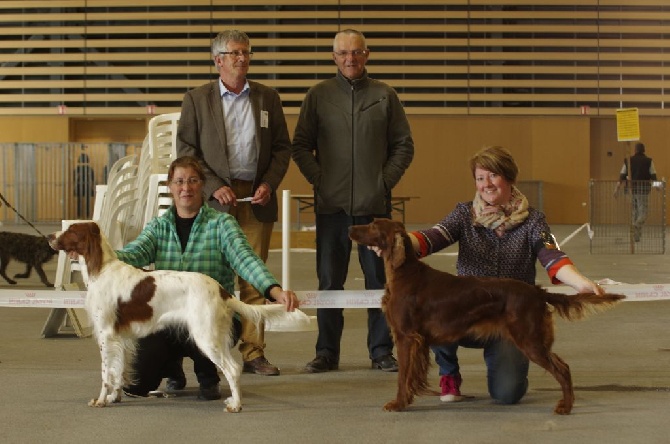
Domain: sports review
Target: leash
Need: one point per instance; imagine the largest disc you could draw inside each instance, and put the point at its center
(20, 215)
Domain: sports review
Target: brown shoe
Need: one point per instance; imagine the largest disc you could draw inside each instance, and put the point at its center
(260, 366)
(321, 364)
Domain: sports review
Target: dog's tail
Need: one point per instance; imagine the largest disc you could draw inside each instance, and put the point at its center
(577, 306)
(257, 313)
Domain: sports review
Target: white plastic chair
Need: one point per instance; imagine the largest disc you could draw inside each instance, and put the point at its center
(136, 221)
(163, 141)
(159, 198)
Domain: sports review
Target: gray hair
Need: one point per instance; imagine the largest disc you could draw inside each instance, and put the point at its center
(350, 32)
(220, 42)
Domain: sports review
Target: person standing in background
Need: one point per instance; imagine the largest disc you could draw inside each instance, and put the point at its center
(641, 173)
(84, 186)
(237, 130)
(352, 143)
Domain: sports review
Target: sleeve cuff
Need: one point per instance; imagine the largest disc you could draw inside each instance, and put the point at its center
(267, 292)
(423, 245)
(553, 269)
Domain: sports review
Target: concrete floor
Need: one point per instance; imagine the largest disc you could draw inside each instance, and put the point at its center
(620, 364)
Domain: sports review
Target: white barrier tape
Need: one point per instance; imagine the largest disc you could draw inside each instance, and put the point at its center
(311, 299)
(574, 233)
(42, 298)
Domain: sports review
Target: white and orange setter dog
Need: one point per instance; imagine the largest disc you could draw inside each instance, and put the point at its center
(125, 303)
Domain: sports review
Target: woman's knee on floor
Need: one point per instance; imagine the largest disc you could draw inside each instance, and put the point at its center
(508, 391)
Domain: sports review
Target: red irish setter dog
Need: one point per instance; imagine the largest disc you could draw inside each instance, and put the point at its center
(424, 307)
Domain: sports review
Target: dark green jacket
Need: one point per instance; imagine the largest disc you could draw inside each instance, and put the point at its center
(353, 143)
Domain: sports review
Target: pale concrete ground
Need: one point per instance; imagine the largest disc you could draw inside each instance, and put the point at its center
(620, 365)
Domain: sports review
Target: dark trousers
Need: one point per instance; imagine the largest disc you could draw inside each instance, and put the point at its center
(333, 251)
(159, 355)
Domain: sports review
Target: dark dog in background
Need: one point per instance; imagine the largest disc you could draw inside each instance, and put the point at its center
(424, 307)
(34, 251)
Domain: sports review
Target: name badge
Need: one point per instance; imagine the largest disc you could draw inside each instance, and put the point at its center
(264, 119)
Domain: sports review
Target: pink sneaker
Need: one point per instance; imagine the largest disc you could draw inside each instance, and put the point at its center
(451, 388)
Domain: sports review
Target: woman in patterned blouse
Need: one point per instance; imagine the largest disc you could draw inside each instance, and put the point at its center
(498, 235)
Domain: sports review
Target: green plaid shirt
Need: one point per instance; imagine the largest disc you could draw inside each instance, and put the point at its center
(216, 247)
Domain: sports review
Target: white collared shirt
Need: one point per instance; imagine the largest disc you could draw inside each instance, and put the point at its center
(238, 118)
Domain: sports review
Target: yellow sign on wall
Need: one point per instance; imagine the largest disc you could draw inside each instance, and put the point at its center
(627, 124)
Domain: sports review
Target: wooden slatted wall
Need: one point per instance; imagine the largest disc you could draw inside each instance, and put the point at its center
(116, 57)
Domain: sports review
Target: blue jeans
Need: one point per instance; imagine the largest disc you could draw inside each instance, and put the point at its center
(507, 367)
(333, 251)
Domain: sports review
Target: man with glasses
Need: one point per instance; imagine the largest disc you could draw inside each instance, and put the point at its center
(353, 143)
(237, 130)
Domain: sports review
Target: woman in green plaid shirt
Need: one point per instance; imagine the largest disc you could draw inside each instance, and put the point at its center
(191, 236)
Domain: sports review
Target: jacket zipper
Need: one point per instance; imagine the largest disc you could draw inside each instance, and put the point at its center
(353, 158)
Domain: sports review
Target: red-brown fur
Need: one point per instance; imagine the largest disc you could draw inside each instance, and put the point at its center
(424, 307)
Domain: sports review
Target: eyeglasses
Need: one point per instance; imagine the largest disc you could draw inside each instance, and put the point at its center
(237, 53)
(355, 53)
(191, 181)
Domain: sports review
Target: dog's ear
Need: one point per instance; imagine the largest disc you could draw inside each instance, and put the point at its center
(398, 226)
(93, 252)
(397, 256)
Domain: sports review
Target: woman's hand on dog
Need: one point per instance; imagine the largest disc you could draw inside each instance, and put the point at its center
(569, 275)
(377, 250)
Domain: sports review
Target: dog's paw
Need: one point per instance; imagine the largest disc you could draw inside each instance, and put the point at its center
(114, 397)
(233, 406)
(97, 403)
(393, 406)
(562, 408)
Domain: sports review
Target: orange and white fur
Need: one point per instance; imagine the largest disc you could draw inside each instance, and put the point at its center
(126, 303)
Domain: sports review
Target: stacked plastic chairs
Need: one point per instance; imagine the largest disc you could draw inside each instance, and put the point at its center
(136, 189)
(163, 141)
(119, 200)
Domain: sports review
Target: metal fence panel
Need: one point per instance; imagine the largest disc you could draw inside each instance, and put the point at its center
(612, 219)
(49, 182)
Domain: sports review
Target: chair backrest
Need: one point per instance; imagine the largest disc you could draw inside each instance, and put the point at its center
(122, 178)
(163, 141)
(100, 192)
(117, 221)
(159, 198)
(136, 222)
